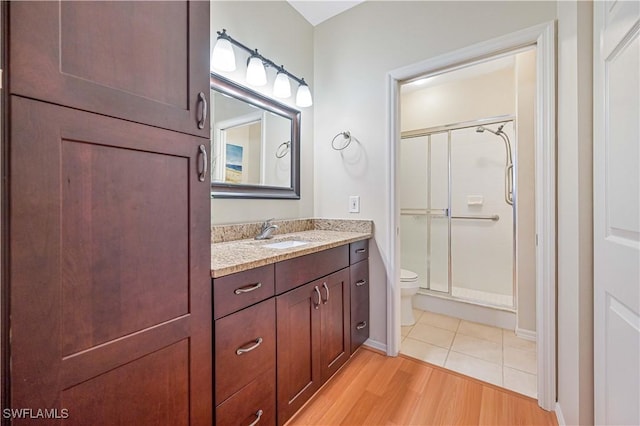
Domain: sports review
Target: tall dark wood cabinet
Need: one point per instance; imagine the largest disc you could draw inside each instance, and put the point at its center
(109, 211)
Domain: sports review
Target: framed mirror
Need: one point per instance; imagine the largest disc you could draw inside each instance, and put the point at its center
(255, 144)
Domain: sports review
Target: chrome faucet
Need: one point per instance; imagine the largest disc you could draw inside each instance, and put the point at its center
(267, 230)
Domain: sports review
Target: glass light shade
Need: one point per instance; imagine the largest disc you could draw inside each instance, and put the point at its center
(223, 58)
(303, 97)
(282, 87)
(256, 74)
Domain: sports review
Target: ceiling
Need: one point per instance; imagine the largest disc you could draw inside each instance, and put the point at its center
(316, 11)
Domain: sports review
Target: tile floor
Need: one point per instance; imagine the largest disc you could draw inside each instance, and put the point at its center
(491, 354)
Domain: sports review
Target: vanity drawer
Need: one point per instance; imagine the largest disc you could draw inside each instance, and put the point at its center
(301, 270)
(252, 332)
(258, 398)
(359, 303)
(358, 251)
(236, 291)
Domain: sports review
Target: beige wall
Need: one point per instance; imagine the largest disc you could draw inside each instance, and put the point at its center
(354, 51)
(575, 206)
(284, 36)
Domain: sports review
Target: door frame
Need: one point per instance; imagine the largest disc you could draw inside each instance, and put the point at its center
(543, 37)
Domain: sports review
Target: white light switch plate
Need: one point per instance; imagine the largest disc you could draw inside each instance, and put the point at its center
(354, 204)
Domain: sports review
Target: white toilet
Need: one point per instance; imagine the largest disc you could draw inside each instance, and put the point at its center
(408, 288)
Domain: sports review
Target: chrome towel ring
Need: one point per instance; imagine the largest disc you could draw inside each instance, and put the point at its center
(346, 135)
(283, 149)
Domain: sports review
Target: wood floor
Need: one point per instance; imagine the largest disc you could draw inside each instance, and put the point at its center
(374, 389)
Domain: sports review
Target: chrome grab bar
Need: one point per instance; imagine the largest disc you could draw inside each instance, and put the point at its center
(493, 217)
(445, 213)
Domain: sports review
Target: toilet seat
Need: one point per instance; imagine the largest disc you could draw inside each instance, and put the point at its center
(407, 276)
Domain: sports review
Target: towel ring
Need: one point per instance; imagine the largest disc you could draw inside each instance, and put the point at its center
(346, 135)
(283, 149)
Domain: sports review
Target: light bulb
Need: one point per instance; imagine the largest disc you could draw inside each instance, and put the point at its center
(282, 87)
(223, 58)
(256, 74)
(303, 97)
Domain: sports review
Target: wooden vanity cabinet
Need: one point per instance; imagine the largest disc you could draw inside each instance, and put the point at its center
(302, 318)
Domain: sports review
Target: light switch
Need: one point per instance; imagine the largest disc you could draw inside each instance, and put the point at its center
(354, 204)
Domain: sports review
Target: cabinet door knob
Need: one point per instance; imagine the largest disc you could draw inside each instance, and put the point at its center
(247, 288)
(244, 350)
(361, 283)
(361, 250)
(258, 414)
(326, 288)
(361, 325)
(205, 163)
(202, 101)
(316, 305)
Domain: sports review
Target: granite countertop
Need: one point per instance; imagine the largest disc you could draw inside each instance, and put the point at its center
(239, 255)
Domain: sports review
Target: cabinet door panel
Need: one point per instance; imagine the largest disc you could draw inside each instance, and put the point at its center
(298, 324)
(140, 61)
(110, 277)
(335, 319)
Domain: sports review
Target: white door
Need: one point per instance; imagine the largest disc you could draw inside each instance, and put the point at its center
(616, 182)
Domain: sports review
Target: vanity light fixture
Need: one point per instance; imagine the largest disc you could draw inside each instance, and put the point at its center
(223, 59)
(256, 74)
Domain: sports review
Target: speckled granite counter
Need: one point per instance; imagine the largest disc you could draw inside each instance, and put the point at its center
(239, 255)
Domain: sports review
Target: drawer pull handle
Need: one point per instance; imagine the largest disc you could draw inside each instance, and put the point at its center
(248, 288)
(326, 288)
(361, 283)
(258, 414)
(362, 250)
(257, 343)
(361, 325)
(316, 305)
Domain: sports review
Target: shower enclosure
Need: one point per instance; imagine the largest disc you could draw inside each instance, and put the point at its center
(457, 210)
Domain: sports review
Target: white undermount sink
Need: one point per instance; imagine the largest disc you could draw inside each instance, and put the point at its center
(286, 244)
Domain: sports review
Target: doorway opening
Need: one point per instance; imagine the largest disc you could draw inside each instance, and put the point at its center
(454, 232)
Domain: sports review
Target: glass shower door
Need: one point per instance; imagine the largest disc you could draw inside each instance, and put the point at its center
(437, 214)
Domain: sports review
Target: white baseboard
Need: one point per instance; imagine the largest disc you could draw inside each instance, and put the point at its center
(559, 415)
(526, 334)
(376, 345)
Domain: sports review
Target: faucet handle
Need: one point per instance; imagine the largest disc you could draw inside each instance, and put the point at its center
(266, 223)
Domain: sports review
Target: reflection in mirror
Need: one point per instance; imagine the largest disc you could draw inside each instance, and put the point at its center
(255, 144)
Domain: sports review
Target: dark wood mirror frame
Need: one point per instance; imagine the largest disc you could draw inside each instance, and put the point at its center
(244, 94)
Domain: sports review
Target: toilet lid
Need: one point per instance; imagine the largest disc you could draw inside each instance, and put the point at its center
(407, 275)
